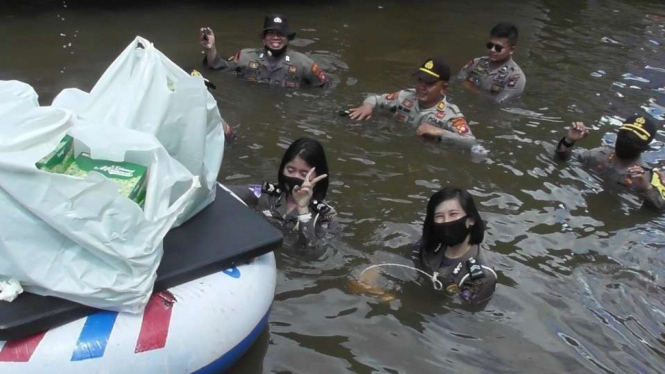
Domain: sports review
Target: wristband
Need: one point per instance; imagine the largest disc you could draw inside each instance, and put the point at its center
(564, 142)
(304, 218)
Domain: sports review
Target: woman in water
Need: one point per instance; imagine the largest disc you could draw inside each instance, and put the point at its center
(450, 246)
(297, 199)
(449, 251)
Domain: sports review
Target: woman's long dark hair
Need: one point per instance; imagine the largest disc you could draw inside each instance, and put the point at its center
(311, 151)
(429, 241)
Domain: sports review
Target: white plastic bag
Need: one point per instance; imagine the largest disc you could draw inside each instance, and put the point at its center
(80, 239)
(145, 91)
(17, 96)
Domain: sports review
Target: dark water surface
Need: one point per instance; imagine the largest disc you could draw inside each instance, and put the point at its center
(581, 267)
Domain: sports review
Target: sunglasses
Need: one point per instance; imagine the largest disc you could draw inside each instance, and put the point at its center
(497, 47)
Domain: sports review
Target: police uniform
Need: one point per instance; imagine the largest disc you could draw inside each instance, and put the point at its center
(469, 276)
(404, 105)
(504, 83)
(292, 70)
(602, 160)
(270, 200)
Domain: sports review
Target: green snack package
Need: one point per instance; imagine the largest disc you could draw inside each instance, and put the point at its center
(131, 177)
(60, 158)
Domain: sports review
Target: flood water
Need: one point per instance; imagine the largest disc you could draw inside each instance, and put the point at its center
(581, 267)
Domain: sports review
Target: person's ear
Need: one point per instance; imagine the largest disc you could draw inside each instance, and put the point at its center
(512, 49)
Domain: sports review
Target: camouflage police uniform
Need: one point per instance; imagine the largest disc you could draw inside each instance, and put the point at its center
(292, 70)
(468, 276)
(504, 83)
(404, 105)
(270, 200)
(602, 160)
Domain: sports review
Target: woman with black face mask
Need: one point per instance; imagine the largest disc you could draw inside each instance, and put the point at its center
(621, 165)
(450, 246)
(297, 200)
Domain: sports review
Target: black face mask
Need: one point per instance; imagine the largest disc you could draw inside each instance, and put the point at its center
(290, 183)
(626, 150)
(452, 233)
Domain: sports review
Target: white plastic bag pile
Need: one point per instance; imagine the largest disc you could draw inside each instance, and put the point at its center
(79, 238)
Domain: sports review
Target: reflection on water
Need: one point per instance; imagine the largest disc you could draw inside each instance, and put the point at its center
(581, 266)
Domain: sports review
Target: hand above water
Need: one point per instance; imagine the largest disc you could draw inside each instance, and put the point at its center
(427, 129)
(639, 178)
(360, 113)
(207, 38)
(577, 131)
(303, 194)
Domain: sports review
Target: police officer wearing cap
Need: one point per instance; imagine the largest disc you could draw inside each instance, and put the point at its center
(273, 64)
(424, 107)
(622, 164)
(497, 73)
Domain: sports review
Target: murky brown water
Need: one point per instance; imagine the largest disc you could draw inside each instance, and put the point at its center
(581, 268)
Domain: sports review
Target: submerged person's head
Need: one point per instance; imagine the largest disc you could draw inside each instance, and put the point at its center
(452, 218)
(502, 42)
(301, 156)
(634, 137)
(276, 33)
(433, 76)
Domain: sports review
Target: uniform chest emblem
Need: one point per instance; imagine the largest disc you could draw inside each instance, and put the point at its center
(512, 81)
(407, 103)
(392, 96)
(253, 65)
(440, 115)
(441, 106)
(400, 117)
(293, 69)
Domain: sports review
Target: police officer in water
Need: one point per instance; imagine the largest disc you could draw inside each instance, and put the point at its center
(424, 107)
(274, 63)
(497, 73)
(622, 164)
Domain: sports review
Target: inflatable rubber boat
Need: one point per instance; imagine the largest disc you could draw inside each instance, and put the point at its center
(202, 320)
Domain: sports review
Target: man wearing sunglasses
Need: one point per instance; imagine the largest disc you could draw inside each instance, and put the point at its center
(623, 163)
(273, 64)
(497, 73)
(424, 107)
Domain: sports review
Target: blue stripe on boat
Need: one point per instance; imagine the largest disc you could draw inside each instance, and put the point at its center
(94, 336)
(223, 363)
(232, 272)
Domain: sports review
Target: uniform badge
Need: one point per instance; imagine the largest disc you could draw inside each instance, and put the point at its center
(392, 96)
(440, 115)
(267, 213)
(457, 269)
(277, 20)
(495, 88)
(400, 117)
(253, 65)
(441, 106)
(316, 69)
(429, 65)
(407, 103)
(460, 125)
(293, 69)
(322, 77)
(452, 289)
(512, 81)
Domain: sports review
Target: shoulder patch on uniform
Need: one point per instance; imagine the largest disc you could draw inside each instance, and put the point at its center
(271, 189)
(253, 64)
(513, 79)
(469, 64)
(316, 69)
(293, 69)
(407, 103)
(320, 207)
(459, 123)
(392, 95)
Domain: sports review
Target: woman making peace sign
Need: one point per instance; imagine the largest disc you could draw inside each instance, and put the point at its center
(297, 199)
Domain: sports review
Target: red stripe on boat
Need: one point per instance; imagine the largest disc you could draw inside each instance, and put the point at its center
(156, 322)
(22, 349)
